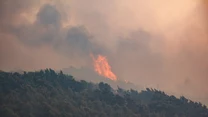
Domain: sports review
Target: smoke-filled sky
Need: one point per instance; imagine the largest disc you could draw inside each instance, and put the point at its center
(153, 43)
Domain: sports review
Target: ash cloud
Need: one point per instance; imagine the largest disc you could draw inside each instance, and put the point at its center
(73, 44)
(49, 15)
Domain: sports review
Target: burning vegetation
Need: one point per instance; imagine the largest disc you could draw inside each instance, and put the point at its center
(102, 67)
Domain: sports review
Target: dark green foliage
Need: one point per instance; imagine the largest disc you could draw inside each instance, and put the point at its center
(50, 94)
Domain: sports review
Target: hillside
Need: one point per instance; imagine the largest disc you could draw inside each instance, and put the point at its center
(90, 75)
(46, 93)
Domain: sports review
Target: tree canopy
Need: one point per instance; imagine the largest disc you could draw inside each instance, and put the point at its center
(46, 93)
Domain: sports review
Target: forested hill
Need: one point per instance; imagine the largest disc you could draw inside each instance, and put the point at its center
(50, 94)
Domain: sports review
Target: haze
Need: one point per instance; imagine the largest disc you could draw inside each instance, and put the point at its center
(153, 43)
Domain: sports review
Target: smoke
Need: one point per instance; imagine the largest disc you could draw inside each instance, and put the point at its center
(160, 44)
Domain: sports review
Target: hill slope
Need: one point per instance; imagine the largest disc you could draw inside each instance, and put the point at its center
(90, 75)
(50, 94)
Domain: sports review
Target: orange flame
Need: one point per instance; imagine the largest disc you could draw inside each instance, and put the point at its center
(102, 67)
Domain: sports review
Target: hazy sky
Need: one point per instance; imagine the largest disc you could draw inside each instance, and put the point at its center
(155, 43)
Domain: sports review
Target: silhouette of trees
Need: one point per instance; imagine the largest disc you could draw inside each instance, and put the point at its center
(46, 93)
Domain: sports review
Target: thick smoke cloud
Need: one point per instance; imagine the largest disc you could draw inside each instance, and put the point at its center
(136, 53)
(45, 33)
(142, 41)
(49, 15)
(26, 42)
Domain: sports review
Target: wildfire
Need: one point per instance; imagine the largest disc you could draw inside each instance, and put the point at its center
(102, 67)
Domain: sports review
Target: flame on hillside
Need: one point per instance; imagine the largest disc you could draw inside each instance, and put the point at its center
(102, 67)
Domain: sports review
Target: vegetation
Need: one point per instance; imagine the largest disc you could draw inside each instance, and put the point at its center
(50, 94)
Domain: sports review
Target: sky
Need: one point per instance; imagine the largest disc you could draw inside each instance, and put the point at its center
(153, 43)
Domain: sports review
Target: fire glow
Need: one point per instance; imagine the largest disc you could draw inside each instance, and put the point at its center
(102, 67)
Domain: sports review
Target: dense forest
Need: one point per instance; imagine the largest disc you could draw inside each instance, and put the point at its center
(46, 93)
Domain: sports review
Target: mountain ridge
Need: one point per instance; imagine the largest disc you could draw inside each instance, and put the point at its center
(46, 93)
